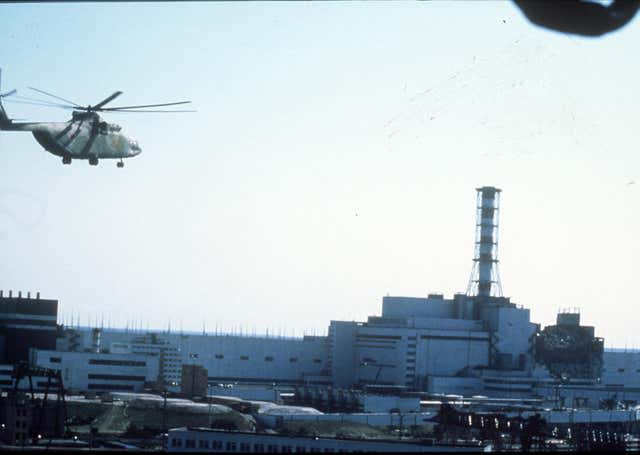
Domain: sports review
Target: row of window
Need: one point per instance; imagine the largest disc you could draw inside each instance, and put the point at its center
(120, 387)
(118, 363)
(267, 358)
(116, 377)
(621, 370)
(233, 446)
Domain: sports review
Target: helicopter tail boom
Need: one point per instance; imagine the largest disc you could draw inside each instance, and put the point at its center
(5, 121)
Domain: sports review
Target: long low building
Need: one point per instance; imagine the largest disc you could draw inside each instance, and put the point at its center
(100, 372)
(208, 440)
(227, 358)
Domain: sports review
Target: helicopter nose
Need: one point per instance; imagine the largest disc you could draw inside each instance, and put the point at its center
(135, 148)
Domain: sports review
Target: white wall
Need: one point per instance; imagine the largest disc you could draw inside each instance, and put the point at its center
(76, 368)
(310, 353)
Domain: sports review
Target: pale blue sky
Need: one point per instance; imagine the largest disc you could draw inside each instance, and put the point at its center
(308, 113)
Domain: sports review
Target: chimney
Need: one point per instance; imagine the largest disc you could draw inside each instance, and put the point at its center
(19, 294)
(1, 292)
(10, 293)
(28, 294)
(38, 295)
(485, 279)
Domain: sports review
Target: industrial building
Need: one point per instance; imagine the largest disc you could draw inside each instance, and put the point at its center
(26, 323)
(475, 343)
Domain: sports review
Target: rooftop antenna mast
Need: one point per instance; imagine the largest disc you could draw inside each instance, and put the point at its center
(485, 278)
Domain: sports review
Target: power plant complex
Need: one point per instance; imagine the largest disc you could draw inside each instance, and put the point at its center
(473, 344)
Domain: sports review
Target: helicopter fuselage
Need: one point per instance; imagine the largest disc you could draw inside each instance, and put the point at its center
(85, 136)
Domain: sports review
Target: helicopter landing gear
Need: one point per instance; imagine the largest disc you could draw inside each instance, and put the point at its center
(93, 161)
(120, 163)
(66, 160)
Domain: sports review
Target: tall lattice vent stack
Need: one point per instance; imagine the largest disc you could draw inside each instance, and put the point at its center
(485, 278)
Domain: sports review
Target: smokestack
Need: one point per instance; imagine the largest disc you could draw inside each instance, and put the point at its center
(1, 292)
(38, 295)
(28, 294)
(485, 279)
(19, 294)
(10, 293)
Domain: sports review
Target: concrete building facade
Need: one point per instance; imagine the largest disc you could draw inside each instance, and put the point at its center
(99, 372)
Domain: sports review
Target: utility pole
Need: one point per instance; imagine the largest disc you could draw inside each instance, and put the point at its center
(165, 436)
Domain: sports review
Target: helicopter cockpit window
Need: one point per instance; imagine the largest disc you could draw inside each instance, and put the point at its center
(134, 144)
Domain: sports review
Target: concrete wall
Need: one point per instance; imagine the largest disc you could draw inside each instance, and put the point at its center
(86, 371)
(445, 353)
(418, 307)
(620, 367)
(466, 387)
(444, 323)
(253, 359)
(406, 356)
(232, 358)
(379, 360)
(342, 352)
(512, 334)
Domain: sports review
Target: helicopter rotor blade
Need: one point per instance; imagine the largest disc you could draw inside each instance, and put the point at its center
(36, 100)
(127, 111)
(145, 105)
(55, 96)
(57, 106)
(108, 99)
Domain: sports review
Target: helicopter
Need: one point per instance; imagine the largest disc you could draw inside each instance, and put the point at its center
(86, 136)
